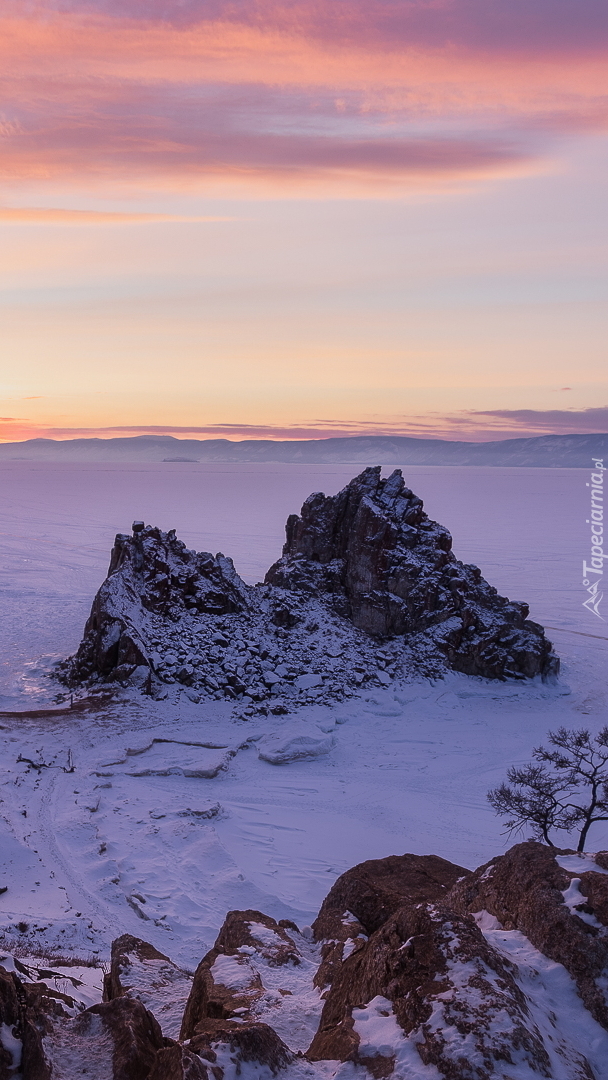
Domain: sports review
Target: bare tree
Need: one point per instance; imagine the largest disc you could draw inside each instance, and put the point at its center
(567, 789)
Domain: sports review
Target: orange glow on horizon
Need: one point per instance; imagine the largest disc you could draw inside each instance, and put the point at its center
(370, 209)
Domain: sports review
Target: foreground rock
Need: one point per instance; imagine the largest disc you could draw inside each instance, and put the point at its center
(431, 974)
(40, 1039)
(364, 898)
(415, 968)
(242, 1043)
(226, 983)
(139, 971)
(367, 591)
(564, 913)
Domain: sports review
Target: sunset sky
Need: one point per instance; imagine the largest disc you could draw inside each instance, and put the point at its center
(300, 219)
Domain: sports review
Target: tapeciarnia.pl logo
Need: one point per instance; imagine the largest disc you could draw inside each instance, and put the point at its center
(593, 571)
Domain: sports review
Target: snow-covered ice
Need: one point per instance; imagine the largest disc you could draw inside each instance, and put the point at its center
(207, 825)
(295, 742)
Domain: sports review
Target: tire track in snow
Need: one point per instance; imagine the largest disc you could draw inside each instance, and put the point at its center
(90, 904)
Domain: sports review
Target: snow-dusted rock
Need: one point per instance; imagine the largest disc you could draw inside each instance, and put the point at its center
(306, 682)
(363, 898)
(227, 982)
(231, 1049)
(41, 1039)
(271, 678)
(391, 570)
(138, 970)
(120, 1035)
(438, 991)
(178, 1063)
(152, 572)
(440, 982)
(423, 970)
(367, 590)
(528, 890)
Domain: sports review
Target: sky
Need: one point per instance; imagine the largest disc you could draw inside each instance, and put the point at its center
(248, 218)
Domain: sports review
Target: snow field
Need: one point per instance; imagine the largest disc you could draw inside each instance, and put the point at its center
(91, 854)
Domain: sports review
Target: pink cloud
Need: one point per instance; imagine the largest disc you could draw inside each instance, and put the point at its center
(549, 421)
(240, 89)
(538, 26)
(48, 215)
(467, 425)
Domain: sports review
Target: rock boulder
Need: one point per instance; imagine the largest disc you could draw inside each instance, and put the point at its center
(363, 898)
(524, 890)
(226, 983)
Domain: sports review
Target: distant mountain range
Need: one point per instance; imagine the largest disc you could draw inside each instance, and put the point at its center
(544, 451)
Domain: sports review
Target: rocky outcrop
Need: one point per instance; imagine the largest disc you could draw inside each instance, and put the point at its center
(525, 890)
(435, 974)
(41, 1038)
(364, 898)
(140, 971)
(374, 890)
(391, 570)
(366, 581)
(441, 972)
(226, 984)
(435, 980)
(247, 1042)
(27, 1012)
(179, 1063)
(134, 1033)
(152, 573)
(20, 1042)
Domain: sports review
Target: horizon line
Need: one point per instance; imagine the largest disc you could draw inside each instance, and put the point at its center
(323, 438)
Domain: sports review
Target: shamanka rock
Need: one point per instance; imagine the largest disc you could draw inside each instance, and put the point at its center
(367, 591)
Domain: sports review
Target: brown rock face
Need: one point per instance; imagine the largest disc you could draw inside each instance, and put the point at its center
(363, 898)
(443, 982)
(524, 891)
(12, 1017)
(49, 1038)
(135, 1035)
(121, 976)
(240, 929)
(210, 998)
(179, 1063)
(248, 1042)
(139, 971)
(26, 1011)
(373, 890)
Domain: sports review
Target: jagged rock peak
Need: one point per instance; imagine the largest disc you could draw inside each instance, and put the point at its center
(360, 568)
(390, 570)
(170, 578)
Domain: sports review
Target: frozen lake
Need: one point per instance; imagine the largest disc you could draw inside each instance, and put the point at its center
(525, 528)
(409, 769)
